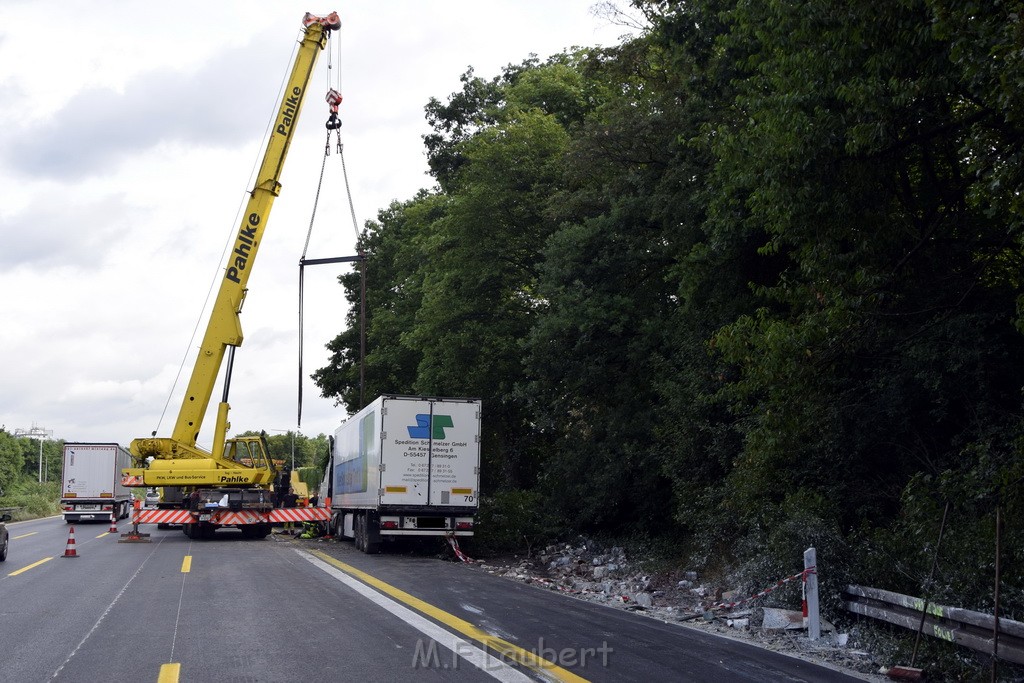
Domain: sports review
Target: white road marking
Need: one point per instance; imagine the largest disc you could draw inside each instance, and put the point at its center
(104, 615)
(484, 661)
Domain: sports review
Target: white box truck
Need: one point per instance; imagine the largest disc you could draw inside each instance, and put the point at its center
(91, 487)
(405, 466)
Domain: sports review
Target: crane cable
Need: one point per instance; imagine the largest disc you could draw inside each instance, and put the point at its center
(302, 270)
(312, 219)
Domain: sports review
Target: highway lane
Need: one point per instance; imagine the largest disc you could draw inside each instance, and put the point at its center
(595, 642)
(245, 610)
(47, 602)
(278, 609)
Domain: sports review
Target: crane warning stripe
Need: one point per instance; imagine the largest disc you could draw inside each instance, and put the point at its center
(231, 517)
(245, 517)
(162, 517)
(300, 515)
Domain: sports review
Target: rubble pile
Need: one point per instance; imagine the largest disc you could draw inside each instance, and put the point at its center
(606, 576)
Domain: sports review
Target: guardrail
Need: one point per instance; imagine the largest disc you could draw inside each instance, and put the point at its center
(974, 630)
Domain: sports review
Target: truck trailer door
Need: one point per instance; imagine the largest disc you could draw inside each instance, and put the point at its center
(432, 452)
(454, 453)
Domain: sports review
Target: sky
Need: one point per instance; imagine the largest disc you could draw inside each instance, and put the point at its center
(129, 133)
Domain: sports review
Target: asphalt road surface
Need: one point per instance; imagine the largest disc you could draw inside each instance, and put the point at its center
(278, 609)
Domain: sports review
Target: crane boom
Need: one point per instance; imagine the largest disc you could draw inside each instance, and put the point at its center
(237, 484)
(224, 331)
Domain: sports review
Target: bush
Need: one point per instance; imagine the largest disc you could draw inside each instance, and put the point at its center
(31, 500)
(513, 521)
(804, 519)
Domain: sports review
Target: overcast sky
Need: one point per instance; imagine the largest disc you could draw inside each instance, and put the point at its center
(128, 135)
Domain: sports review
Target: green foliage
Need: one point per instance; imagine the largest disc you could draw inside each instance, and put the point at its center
(32, 500)
(306, 451)
(514, 521)
(394, 270)
(312, 477)
(19, 475)
(749, 282)
(12, 460)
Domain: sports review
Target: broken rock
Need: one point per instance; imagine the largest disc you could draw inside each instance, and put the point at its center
(643, 599)
(776, 619)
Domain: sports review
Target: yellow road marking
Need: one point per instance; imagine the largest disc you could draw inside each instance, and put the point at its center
(103, 534)
(510, 652)
(34, 564)
(24, 535)
(169, 673)
(186, 564)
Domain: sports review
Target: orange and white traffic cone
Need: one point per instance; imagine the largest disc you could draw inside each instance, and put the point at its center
(70, 551)
(113, 524)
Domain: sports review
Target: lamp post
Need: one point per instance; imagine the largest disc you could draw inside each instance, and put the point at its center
(36, 433)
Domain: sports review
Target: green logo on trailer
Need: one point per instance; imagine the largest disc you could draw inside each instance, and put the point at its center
(425, 430)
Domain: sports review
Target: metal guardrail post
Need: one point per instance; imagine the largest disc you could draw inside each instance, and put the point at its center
(811, 587)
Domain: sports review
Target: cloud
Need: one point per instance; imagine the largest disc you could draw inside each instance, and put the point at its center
(125, 156)
(100, 127)
(56, 229)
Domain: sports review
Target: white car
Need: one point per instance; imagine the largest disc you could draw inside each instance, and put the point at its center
(152, 498)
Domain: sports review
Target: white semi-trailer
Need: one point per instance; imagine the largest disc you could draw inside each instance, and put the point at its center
(91, 482)
(405, 466)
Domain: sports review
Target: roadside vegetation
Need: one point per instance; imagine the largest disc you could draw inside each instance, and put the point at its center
(20, 487)
(750, 282)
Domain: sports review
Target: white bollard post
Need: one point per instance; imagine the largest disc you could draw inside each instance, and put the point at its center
(811, 585)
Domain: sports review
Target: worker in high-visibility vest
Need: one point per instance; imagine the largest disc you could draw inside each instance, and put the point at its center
(290, 501)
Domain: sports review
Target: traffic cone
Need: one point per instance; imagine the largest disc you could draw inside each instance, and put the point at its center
(113, 524)
(70, 551)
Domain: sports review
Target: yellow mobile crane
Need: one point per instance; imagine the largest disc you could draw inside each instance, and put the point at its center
(232, 486)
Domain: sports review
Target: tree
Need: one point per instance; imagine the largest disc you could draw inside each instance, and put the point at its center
(884, 346)
(307, 450)
(12, 460)
(394, 263)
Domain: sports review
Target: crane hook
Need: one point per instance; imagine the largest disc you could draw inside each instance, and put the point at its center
(333, 100)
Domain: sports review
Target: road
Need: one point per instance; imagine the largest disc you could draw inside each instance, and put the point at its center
(280, 609)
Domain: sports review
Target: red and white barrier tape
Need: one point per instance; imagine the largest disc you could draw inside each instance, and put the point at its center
(778, 584)
(458, 552)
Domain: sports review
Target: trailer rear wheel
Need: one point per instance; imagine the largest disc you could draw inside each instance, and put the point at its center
(363, 535)
(359, 531)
